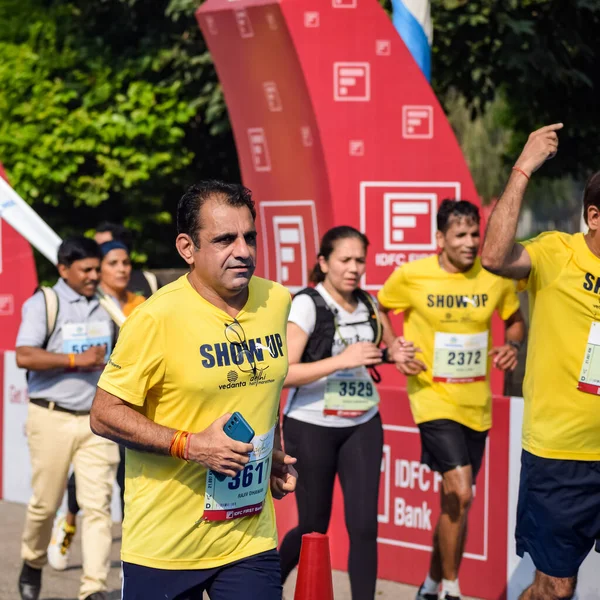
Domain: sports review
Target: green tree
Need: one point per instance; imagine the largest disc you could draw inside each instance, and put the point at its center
(107, 111)
(539, 55)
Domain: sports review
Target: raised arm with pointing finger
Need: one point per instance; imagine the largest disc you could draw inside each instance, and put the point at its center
(500, 253)
(561, 421)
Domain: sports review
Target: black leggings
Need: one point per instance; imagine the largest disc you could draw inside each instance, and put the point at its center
(354, 453)
(72, 505)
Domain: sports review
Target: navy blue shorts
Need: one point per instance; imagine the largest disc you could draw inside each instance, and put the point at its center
(254, 578)
(558, 515)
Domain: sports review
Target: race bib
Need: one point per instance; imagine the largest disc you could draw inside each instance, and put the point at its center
(460, 358)
(78, 337)
(589, 378)
(350, 393)
(243, 495)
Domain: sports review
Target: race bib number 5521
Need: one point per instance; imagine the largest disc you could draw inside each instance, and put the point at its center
(79, 337)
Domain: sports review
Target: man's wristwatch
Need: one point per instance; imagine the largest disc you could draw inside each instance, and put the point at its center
(385, 357)
(516, 345)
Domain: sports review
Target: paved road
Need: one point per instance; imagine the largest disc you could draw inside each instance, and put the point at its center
(65, 585)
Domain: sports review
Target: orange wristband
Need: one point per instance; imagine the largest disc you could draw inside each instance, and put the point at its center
(71, 360)
(183, 446)
(186, 450)
(179, 444)
(522, 172)
(174, 441)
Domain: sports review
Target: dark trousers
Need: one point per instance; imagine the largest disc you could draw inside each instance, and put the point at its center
(254, 578)
(354, 454)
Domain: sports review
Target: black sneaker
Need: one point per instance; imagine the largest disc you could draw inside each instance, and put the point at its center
(449, 597)
(96, 596)
(30, 583)
(422, 596)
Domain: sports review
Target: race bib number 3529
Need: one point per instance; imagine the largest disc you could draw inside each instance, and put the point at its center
(350, 393)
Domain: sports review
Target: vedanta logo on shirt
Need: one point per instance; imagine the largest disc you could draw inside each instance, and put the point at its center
(226, 354)
(456, 300)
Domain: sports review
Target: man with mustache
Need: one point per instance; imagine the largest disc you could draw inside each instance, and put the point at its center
(448, 301)
(64, 363)
(199, 513)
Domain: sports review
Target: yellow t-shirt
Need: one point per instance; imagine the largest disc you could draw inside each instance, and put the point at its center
(173, 362)
(560, 421)
(435, 301)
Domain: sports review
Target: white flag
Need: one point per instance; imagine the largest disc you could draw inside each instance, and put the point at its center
(21, 217)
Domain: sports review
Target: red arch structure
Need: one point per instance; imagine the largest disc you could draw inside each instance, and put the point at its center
(18, 280)
(335, 124)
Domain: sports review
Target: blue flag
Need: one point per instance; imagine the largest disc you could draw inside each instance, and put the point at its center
(412, 19)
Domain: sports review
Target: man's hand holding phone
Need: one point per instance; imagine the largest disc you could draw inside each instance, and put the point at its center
(215, 450)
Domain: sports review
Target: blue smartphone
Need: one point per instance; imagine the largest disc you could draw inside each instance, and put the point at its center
(237, 429)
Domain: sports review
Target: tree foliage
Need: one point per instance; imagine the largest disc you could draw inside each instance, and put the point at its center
(539, 55)
(109, 109)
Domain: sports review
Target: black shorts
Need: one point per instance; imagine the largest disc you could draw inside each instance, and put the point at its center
(558, 515)
(446, 444)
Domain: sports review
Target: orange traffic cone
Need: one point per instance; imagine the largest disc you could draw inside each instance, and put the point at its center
(314, 580)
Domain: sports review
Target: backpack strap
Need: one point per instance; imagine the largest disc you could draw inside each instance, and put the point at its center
(374, 318)
(52, 307)
(321, 340)
(152, 280)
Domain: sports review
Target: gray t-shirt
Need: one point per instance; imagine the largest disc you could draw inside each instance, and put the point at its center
(80, 323)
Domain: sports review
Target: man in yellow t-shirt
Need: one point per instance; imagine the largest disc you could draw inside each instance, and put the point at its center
(199, 513)
(448, 301)
(558, 520)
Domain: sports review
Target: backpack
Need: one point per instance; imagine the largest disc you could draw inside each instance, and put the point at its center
(152, 280)
(321, 340)
(53, 306)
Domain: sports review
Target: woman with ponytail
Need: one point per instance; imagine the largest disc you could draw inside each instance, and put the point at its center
(332, 422)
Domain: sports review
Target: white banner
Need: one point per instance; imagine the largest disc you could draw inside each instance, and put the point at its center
(16, 468)
(19, 215)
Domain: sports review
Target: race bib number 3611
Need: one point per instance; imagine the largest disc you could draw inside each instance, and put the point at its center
(244, 494)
